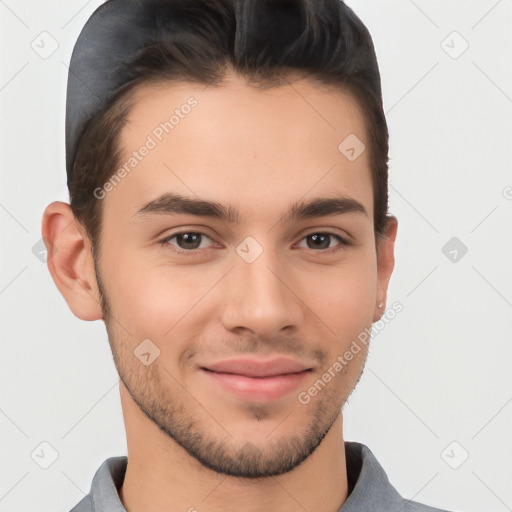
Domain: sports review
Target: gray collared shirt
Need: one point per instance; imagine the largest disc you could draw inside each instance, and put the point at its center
(368, 485)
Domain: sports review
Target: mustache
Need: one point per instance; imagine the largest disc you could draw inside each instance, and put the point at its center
(283, 346)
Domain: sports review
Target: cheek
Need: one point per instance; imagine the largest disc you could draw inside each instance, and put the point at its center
(342, 295)
(148, 299)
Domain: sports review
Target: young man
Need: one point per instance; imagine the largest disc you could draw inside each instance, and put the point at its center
(227, 169)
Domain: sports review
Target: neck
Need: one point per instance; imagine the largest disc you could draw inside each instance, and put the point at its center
(161, 475)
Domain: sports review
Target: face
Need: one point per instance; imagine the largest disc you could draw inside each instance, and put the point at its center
(220, 324)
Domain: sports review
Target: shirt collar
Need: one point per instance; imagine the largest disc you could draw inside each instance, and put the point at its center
(368, 484)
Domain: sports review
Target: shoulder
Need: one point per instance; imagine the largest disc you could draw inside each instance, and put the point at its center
(413, 506)
(369, 486)
(106, 482)
(85, 505)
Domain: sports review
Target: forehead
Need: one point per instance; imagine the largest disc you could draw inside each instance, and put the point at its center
(320, 105)
(233, 142)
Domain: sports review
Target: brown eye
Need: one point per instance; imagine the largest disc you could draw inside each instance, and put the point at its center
(322, 241)
(186, 240)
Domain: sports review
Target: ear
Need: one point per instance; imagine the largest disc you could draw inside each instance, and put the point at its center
(69, 260)
(385, 263)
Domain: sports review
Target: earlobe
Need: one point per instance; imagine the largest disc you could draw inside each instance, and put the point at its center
(385, 264)
(70, 261)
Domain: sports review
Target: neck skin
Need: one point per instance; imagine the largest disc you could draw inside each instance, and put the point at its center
(161, 475)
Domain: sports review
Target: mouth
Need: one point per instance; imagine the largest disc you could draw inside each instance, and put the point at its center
(257, 381)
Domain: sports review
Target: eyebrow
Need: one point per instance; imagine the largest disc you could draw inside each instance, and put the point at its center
(172, 204)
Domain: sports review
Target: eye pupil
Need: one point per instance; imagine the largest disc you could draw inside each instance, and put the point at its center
(322, 238)
(189, 238)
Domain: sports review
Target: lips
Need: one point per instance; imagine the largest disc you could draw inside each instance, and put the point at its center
(256, 380)
(258, 368)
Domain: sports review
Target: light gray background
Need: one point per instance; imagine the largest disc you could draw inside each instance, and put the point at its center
(439, 373)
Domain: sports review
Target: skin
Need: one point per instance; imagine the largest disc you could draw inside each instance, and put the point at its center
(191, 444)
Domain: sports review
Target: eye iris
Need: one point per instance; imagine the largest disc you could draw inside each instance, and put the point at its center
(189, 238)
(322, 237)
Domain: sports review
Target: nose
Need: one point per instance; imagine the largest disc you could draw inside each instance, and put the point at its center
(262, 297)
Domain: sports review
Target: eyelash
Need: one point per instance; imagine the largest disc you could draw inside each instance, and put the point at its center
(342, 245)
